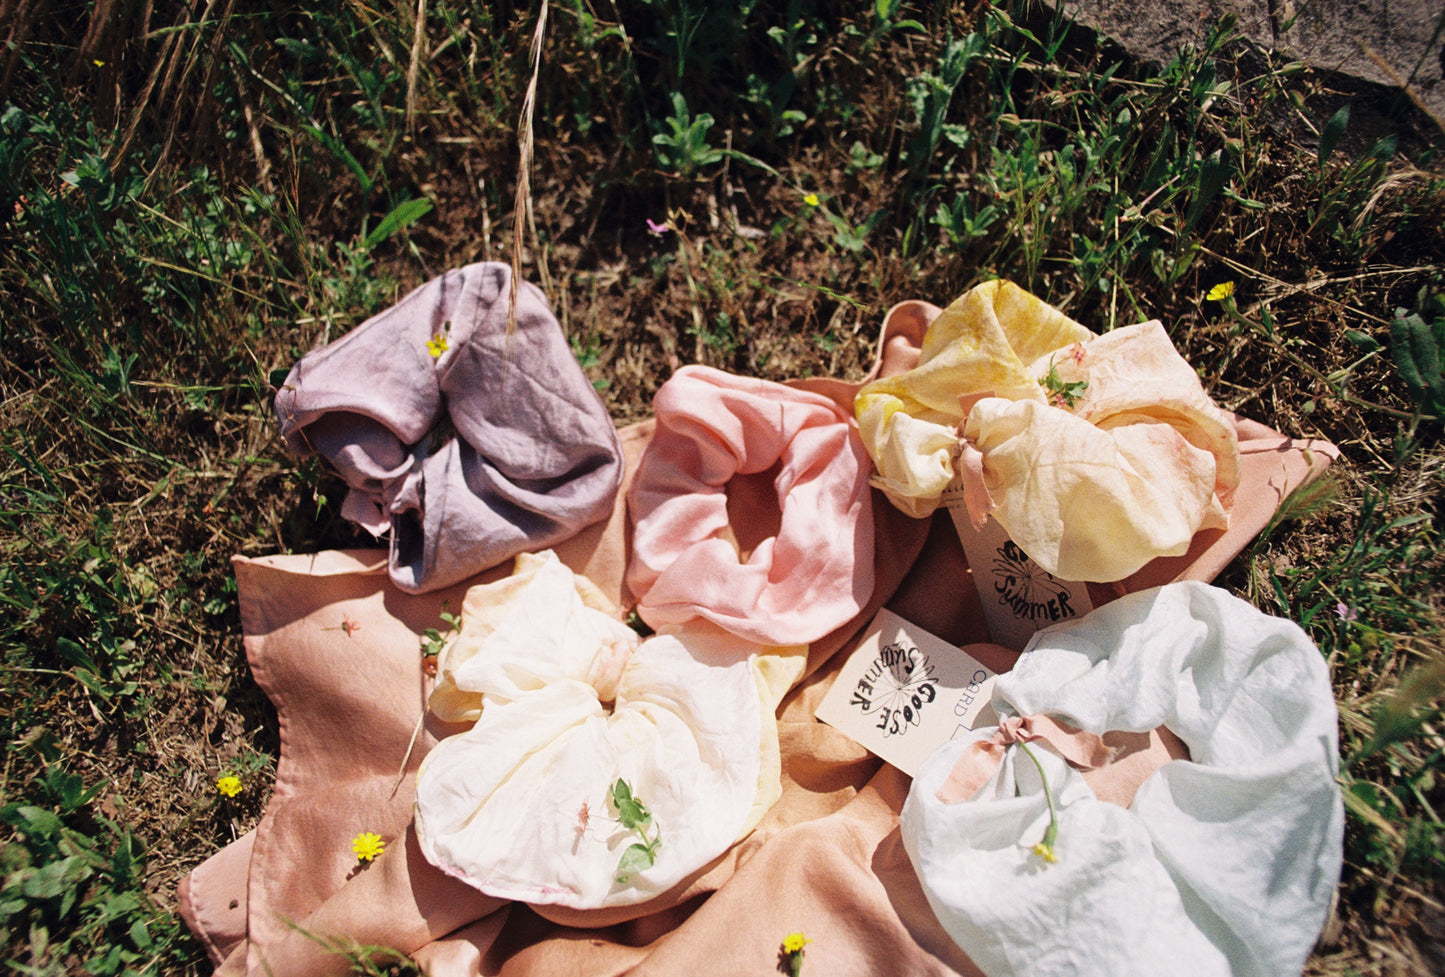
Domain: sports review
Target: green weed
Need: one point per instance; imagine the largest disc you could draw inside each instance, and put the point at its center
(72, 897)
(683, 147)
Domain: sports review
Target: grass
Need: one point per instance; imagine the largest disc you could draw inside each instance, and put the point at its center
(187, 205)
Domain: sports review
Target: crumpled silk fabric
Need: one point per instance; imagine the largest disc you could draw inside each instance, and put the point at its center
(1092, 486)
(1223, 864)
(826, 858)
(568, 701)
(466, 458)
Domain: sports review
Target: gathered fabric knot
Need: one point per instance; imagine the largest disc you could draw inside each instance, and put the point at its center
(968, 467)
(1082, 750)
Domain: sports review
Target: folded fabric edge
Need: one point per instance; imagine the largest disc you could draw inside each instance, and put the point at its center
(219, 928)
(326, 563)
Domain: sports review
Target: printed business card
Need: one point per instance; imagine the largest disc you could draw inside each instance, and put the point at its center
(904, 692)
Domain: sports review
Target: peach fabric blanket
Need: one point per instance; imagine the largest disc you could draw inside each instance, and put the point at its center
(826, 859)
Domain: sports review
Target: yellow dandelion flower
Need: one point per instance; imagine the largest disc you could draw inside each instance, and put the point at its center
(437, 345)
(367, 845)
(1046, 852)
(794, 943)
(1220, 292)
(228, 786)
(811, 199)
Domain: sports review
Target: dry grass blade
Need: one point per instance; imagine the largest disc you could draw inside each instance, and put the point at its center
(414, 65)
(522, 202)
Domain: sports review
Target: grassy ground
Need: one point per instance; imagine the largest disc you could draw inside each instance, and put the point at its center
(193, 196)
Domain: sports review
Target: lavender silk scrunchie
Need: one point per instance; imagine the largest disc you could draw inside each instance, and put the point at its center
(469, 444)
(796, 586)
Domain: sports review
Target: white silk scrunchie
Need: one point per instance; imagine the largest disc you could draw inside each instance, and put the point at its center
(566, 701)
(1223, 864)
(795, 587)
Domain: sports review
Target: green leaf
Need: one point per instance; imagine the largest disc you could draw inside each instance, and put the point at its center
(1213, 174)
(631, 812)
(342, 153)
(1068, 393)
(1331, 133)
(401, 215)
(72, 652)
(1364, 341)
(34, 821)
(56, 878)
(1417, 358)
(635, 859)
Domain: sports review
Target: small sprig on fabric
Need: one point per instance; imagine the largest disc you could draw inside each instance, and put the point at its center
(633, 815)
(1062, 394)
(1045, 848)
(792, 953)
(347, 627)
(433, 641)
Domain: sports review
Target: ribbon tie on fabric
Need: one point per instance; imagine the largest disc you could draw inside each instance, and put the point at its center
(1083, 750)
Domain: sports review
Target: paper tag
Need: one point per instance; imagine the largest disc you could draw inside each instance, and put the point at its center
(904, 692)
(1019, 596)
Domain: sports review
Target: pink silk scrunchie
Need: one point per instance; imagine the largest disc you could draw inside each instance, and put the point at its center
(795, 587)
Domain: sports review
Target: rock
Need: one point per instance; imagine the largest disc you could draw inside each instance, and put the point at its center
(1399, 44)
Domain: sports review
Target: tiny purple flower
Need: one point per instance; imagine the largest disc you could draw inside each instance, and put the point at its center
(1345, 612)
(656, 229)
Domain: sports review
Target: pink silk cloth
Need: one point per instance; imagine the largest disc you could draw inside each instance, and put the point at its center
(793, 587)
(827, 858)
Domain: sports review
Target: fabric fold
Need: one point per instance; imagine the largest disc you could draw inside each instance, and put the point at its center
(467, 440)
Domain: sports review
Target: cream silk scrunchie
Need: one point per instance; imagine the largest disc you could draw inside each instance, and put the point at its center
(465, 439)
(794, 587)
(1095, 454)
(566, 700)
